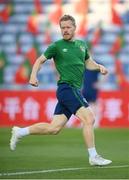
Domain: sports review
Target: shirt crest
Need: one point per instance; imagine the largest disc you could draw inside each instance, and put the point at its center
(82, 48)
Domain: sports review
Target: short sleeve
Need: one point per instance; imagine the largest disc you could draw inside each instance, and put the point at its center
(50, 51)
(87, 56)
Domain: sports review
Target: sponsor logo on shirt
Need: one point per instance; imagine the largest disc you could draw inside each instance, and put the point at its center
(64, 50)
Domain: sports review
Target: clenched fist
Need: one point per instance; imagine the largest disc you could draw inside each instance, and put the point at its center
(33, 81)
(102, 69)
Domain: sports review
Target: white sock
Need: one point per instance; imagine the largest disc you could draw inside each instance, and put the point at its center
(23, 132)
(92, 152)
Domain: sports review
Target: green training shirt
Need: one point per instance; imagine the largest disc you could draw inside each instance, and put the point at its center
(69, 58)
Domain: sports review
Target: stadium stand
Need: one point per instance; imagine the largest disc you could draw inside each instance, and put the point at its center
(27, 27)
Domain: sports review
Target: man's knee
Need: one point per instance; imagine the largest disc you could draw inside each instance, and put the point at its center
(57, 124)
(86, 116)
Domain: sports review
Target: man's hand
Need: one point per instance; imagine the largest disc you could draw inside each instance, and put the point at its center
(33, 81)
(92, 65)
(102, 69)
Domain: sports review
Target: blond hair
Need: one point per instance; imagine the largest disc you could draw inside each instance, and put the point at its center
(66, 18)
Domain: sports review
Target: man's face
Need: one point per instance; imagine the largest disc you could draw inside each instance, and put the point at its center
(67, 29)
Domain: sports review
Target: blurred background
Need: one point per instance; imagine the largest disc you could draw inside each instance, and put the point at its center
(26, 30)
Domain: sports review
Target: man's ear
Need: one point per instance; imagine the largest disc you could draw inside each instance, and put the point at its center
(74, 27)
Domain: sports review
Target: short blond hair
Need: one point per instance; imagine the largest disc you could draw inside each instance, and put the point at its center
(66, 18)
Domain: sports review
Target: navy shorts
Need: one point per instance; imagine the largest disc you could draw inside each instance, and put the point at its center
(70, 100)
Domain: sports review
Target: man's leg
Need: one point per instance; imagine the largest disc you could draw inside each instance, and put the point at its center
(87, 118)
(54, 128)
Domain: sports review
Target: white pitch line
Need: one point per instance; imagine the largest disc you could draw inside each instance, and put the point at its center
(60, 170)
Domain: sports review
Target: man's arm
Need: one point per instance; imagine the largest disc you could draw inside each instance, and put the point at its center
(36, 67)
(92, 65)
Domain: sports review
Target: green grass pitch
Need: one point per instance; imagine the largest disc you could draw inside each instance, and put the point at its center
(64, 156)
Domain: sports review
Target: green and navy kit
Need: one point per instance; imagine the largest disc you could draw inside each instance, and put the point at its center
(69, 58)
